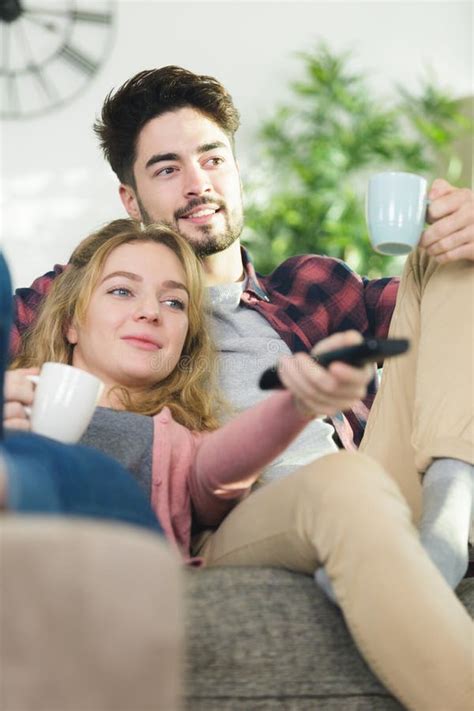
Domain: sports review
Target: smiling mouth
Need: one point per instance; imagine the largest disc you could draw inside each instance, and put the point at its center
(202, 215)
(142, 343)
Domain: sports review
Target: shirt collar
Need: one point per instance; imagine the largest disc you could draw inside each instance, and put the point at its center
(253, 284)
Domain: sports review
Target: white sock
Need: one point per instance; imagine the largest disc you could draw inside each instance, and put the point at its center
(448, 488)
(448, 491)
(325, 584)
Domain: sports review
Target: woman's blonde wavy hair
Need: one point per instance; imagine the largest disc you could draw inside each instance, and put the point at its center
(190, 390)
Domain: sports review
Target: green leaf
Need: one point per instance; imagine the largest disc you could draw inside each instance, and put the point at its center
(318, 150)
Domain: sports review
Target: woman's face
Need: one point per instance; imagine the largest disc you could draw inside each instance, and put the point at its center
(137, 320)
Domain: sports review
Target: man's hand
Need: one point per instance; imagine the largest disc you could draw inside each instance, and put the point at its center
(322, 391)
(450, 235)
(19, 393)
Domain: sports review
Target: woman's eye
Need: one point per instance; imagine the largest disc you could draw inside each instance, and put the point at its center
(175, 304)
(120, 291)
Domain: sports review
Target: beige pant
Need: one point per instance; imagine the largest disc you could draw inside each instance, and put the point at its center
(345, 511)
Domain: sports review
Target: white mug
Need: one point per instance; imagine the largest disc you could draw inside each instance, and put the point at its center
(396, 211)
(64, 402)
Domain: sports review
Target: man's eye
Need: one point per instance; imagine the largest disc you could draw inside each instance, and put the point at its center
(169, 170)
(120, 291)
(215, 160)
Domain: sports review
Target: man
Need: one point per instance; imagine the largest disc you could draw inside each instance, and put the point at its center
(168, 134)
(169, 137)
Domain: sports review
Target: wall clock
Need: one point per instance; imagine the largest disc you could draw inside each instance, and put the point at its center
(49, 51)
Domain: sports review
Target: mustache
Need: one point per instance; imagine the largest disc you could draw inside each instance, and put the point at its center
(197, 202)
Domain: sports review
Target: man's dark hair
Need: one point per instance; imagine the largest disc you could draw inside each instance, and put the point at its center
(149, 94)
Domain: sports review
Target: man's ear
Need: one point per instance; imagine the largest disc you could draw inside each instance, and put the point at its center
(129, 201)
(72, 335)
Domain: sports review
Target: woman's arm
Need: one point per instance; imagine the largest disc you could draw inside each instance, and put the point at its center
(228, 461)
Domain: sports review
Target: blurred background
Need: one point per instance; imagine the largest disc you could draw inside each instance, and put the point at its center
(329, 92)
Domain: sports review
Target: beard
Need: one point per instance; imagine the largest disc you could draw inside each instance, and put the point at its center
(210, 241)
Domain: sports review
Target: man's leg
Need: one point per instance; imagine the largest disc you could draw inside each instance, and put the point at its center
(344, 512)
(423, 410)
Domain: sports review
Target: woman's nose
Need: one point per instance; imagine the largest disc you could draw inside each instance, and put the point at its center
(148, 312)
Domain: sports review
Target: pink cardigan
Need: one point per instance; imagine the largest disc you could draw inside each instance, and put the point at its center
(207, 473)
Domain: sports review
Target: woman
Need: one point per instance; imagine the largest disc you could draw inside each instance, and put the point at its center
(129, 310)
(47, 477)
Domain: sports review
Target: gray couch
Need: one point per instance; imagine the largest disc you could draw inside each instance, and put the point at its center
(88, 621)
(261, 639)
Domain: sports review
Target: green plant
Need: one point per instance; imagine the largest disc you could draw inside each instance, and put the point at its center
(318, 152)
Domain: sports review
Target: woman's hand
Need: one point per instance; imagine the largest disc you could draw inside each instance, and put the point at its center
(319, 391)
(19, 393)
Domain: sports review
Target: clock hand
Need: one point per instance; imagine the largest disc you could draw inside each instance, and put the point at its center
(91, 16)
(45, 24)
(33, 67)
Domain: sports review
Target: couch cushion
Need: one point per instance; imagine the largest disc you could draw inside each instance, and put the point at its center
(267, 639)
(90, 617)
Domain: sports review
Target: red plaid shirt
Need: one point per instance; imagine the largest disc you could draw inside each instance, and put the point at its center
(305, 299)
(26, 303)
(310, 297)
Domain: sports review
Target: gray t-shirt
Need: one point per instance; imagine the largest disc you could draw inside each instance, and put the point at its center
(248, 345)
(126, 437)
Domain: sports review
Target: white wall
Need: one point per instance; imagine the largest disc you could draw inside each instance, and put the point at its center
(56, 187)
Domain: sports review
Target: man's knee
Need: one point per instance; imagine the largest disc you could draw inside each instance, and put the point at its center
(344, 480)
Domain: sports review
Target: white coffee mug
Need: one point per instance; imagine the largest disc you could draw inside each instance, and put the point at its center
(396, 211)
(64, 402)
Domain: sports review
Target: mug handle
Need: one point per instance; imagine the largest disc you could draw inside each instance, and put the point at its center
(34, 379)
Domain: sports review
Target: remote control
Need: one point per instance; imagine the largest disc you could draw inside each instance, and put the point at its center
(371, 349)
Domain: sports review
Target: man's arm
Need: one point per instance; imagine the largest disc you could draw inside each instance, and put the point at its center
(449, 237)
(26, 304)
(380, 296)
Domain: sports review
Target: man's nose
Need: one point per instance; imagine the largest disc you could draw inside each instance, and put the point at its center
(197, 182)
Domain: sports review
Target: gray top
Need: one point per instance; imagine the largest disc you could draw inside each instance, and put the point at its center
(126, 437)
(248, 345)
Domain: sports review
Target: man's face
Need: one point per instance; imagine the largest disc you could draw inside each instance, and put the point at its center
(186, 176)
